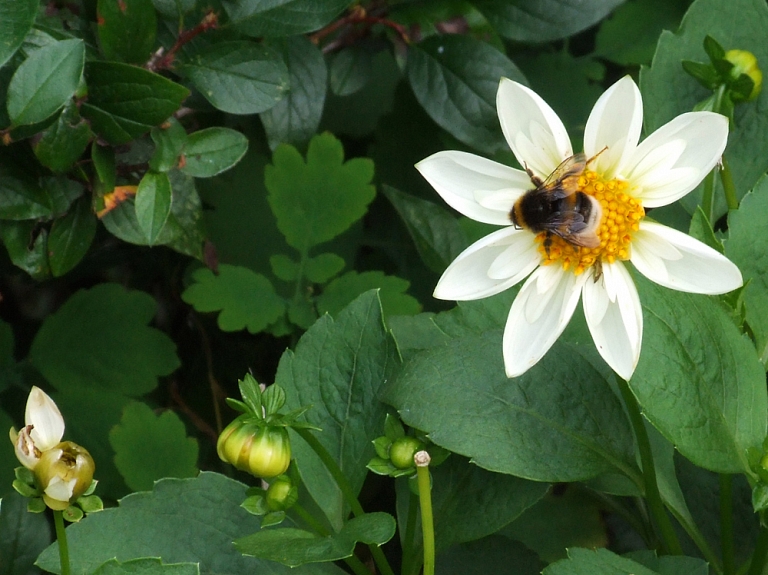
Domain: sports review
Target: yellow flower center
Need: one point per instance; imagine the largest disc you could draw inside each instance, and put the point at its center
(621, 216)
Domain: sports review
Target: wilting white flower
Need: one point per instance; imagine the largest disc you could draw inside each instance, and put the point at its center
(43, 428)
(625, 177)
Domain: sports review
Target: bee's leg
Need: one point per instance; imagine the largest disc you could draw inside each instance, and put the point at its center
(537, 181)
(547, 242)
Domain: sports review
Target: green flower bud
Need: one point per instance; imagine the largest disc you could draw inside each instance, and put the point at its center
(402, 451)
(744, 62)
(254, 447)
(64, 473)
(281, 494)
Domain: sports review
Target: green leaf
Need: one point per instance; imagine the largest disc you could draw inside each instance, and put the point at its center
(146, 566)
(295, 118)
(26, 247)
(667, 92)
(62, 192)
(246, 299)
(338, 363)
(670, 564)
(543, 20)
(127, 30)
(16, 19)
(322, 267)
(495, 554)
(125, 101)
(561, 428)
(748, 250)
(436, 233)
(343, 290)
(588, 562)
(23, 535)
(149, 447)
(64, 141)
(153, 204)
(45, 81)
(701, 229)
(213, 150)
(317, 200)
(294, 547)
(455, 79)
(7, 360)
(100, 337)
(281, 17)
(284, 267)
(70, 237)
(103, 158)
(169, 142)
(238, 77)
(350, 70)
(21, 198)
(174, 8)
(630, 34)
(698, 380)
(180, 520)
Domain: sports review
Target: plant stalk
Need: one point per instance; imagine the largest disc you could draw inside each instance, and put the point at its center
(427, 521)
(729, 188)
(726, 523)
(760, 552)
(61, 538)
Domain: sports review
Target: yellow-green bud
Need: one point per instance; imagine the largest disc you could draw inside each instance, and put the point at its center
(402, 451)
(64, 473)
(258, 449)
(281, 494)
(744, 62)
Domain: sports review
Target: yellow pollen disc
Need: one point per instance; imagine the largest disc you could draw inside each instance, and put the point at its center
(621, 216)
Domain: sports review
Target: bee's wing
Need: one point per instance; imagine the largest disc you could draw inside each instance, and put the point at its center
(564, 180)
(572, 228)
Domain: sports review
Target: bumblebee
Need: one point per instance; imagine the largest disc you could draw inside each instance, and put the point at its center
(556, 206)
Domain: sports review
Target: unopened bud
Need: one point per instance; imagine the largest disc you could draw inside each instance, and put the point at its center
(744, 62)
(254, 447)
(64, 473)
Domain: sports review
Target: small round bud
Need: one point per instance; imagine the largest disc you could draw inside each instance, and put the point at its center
(64, 473)
(402, 451)
(422, 459)
(281, 494)
(744, 62)
(254, 447)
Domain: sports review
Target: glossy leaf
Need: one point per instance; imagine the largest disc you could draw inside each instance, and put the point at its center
(589, 561)
(125, 101)
(238, 77)
(64, 141)
(153, 204)
(245, 300)
(295, 118)
(146, 566)
(100, 337)
(45, 81)
(26, 247)
(71, 237)
(16, 19)
(670, 564)
(455, 79)
(343, 290)
(301, 193)
(281, 17)
(127, 30)
(213, 150)
(169, 141)
(21, 198)
(350, 70)
(103, 158)
(149, 447)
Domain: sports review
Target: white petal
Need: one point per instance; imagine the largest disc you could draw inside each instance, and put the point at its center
(45, 418)
(695, 268)
(615, 121)
(532, 129)
(24, 447)
(459, 177)
(697, 139)
(615, 318)
(508, 253)
(59, 489)
(526, 342)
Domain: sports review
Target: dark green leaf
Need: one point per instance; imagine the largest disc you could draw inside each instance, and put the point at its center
(343, 290)
(21, 198)
(213, 150)
(713, 49)
(103, 158)
(590, 562)
(338, 363)
(455, 79)
(70, 237)
(26, 247)
(153, 204)
(284, 267)
(294, 119)
(125, 102)
(64, 141)
(100, 337)
(701, 229)
(174, 8)
(169, 141)
(23, 535)
(543, 20)
(62, 192)
(317, 200)
(146, 566)
(436, 233)
(16, 19)
(704, 73)
(294, 547)
(149, 447)
(350, 70)
(282, 17)
(127, 30)
(238, 77)
(244, 298)
(670, 564)
(45, 81)
(495, 554)
(699, 380)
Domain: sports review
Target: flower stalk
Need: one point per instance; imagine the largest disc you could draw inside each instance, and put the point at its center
(61, 539)
(422, 460)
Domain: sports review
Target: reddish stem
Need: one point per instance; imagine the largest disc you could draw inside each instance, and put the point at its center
(358, 15)
(162, 61)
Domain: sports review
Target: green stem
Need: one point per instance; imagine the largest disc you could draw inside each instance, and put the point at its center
(652, 494)
(759, 554)
(726, 523)
(729, 188)
(708, 196)
(427, 523)
(61, 537)
(410, 530)
(346, 491)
